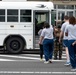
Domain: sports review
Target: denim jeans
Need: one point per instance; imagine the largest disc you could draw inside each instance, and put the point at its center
(72, 50)
(48, 45)
(65, 43)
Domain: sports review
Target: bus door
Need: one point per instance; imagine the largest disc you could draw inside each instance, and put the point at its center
(39, 18)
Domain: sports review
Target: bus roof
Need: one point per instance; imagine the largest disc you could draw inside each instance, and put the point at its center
(24, 5)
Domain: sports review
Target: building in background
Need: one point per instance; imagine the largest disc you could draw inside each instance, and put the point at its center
(64, 7)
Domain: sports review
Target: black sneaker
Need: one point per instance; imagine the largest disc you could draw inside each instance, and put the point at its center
(55, 58)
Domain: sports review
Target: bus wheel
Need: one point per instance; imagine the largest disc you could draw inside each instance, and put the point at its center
(14, 45)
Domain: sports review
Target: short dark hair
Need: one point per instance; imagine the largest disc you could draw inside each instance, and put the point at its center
(66, 17)
(72, 20)
(46, 25)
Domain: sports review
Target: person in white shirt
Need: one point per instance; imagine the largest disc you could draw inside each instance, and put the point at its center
(48, 43)
(70, 31)
(65, 38)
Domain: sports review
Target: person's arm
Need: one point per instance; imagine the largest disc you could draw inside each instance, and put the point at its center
(66, 31)
(41, 38)
(62, 32)
(39, 32)
(55, 31)
(73, 43)
(60, 36)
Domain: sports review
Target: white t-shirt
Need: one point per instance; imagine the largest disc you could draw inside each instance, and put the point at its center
(39, 32)
(71, 30)
(63, 29)
(47, 33)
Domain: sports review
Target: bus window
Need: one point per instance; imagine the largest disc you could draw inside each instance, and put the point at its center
(12, 15)
(2, 15)
(25, 15)
(42, 16)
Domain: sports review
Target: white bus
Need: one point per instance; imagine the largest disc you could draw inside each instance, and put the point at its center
(19, 24)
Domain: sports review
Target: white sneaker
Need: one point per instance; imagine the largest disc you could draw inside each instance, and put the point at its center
(74, 69)
(67, 64)
(46, 62)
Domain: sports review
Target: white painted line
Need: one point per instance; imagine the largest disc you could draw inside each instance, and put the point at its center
(37, 55)
(32, 72)
(31, 55)
(24, 57)
(6, 60)
(34, 58)
(31, 60)
(64, 54)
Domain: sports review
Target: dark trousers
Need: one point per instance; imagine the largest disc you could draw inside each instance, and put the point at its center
(57, 49)
(41, 51)
(72, 50)
(75, 49)
(48, 46)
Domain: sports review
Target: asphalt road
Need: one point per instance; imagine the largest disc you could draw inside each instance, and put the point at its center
(30, 64)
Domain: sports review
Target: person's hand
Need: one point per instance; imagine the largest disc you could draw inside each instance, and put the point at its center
(39, 42)
(73, 44)
(59, 40)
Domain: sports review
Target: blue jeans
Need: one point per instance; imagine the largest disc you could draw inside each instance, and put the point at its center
(72, 50)
(48, 45)
(65, 43)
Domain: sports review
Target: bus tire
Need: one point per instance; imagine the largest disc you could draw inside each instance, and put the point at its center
(14, 45)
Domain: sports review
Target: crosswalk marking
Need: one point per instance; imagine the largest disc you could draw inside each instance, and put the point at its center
(34, 58)
(24, 57)
(6, 60)
(30, 60)
(33, 72)
(31, 55)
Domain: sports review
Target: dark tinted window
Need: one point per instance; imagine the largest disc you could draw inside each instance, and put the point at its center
(2, 12)
(12, 12)
(25, 15)
(25, 12)
(12, 19)
(12, 15)
(2, 15)
(69, 6)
